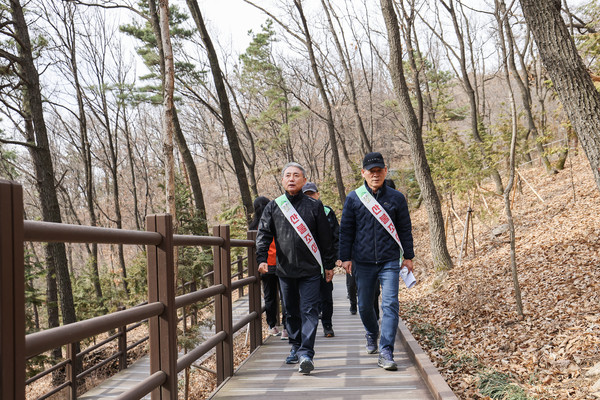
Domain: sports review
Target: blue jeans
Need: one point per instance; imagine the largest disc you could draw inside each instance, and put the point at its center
(301, 297)
(366, 275)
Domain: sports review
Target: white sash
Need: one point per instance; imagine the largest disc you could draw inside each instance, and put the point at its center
(379, 213)
(301, 229)
(384, 219)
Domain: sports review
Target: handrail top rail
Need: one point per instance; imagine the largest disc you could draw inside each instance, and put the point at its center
(39, 342)
(40, 231)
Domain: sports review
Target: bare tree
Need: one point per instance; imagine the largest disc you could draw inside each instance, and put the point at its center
(349, 74)
(36, 142)
(66, 37)
(469, 84)
(506, 41)
(439, 250)
(573, 83)
(230, 131)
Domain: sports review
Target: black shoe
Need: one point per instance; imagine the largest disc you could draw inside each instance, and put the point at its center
(328, 332)
(292, 358)
(306, 365)
(353, 310)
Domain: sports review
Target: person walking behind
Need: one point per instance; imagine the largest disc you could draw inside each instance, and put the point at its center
(376, 241)
(310, 189)
(270, 282)
(299, 226)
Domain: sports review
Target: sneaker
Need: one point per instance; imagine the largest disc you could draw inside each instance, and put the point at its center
(306, 365)
(284, 334)
(371, 344)
(328, 331)
(386, 360)
(353, 310)
(292, 358)
(274, 331)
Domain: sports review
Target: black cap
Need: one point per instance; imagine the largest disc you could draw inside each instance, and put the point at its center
(373, 160)
(309, 187)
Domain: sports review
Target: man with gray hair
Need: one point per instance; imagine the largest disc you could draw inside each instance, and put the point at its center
(302, 235)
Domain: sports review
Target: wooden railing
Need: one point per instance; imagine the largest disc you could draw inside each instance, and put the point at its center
(160, 310)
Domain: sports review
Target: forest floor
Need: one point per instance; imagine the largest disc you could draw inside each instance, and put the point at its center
(469, 323)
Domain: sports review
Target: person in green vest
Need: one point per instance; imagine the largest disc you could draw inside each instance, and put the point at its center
(310, 189)
(304, 252)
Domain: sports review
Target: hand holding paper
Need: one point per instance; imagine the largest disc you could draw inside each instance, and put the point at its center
(408, 277)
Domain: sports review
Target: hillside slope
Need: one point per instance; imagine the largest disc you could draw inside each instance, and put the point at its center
(469, 323)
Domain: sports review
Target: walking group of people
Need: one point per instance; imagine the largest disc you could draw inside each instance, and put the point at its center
(299, 242)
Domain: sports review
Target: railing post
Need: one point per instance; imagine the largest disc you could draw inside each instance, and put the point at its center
(254, 296)
(72, 370)
(122, 344)
(223, 318)
(240, 274)
(12, 292)
(161, 288)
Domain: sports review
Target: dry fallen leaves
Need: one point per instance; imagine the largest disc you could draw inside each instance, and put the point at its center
(558, 260)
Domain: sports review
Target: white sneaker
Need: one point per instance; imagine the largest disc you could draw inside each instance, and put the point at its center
(284, 334)
(274, 331)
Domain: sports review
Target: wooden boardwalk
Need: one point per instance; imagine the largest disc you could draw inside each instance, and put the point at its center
(343, 369)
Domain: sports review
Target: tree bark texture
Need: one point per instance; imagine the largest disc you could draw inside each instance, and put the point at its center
(569, 75)
(523, 87)
(439, 250)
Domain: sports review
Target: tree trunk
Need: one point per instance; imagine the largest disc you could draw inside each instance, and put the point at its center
(168, 115)
(569, 75)
(330, 124)
(230, 131)
(86, 155)
(523, 88)
(136, 207)
(37, 136)
(500, 14)
(186, 155)
(439, 250)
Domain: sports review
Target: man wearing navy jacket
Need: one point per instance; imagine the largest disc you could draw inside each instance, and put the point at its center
(376, 241)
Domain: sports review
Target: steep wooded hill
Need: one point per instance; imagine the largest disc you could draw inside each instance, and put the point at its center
(469, 324)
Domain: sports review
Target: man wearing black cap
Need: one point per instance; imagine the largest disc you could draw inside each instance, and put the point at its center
(310, 189)
(375, 242)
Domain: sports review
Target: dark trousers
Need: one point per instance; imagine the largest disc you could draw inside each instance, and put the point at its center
(352, 293)
(301, 297)
(326, 302)
(270, 284)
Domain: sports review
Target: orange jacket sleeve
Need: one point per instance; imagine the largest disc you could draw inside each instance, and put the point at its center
(272, 255)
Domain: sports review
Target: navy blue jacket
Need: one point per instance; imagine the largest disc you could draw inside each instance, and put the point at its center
(294, 259)
(363, 239)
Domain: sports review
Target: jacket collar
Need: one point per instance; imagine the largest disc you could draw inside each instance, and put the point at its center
(294, 198)
(380, 192)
